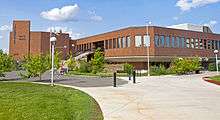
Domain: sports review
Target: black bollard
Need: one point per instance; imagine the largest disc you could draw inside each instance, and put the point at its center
(134, 79)
(114, 77)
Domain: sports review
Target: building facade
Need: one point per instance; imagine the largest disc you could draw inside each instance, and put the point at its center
(122, 46)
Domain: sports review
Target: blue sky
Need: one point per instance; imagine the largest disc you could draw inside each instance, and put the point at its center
(87, 17)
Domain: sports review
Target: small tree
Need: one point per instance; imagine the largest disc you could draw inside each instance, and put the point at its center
(71, 63)
(35, 66)
(128, 68)
(6, 63)
(98, 61)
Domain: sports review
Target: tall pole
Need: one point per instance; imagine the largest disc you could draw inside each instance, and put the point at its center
(216, 58)
(148, 53)
(52, 69)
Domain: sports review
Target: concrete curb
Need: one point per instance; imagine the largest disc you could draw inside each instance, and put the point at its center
(207, 79)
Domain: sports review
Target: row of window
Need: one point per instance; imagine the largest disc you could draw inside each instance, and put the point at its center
(120, 42)
(182, 42)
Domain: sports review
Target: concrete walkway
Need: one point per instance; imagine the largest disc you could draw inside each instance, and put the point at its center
(185, 97)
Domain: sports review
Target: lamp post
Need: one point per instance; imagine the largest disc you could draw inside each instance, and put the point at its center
(53, 42)
(216, 59)
(147, 44)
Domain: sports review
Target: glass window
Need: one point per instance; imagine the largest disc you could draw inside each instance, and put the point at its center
(119, 43)
(128, 41)
(200, 44)
(192, 43)
(167, 41)
(106, 44)
(123, 42)
(114, 42)
(138, 41)
(205, 44)
(110, 43)
(187, 43)
(182, 42)
(162, 40)
(145, 40)
(173, 41)
(196, 43)
(178, 42)
(209, 44)
(156, 40)
(213, 44)
(216, 44)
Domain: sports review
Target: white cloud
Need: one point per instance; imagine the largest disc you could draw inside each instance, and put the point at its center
(186, 5)
(211, 23)
(72, 34)
(65, 13)
(94, 16)
(5, 28)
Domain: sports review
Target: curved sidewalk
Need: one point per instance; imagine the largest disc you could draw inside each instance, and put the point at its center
(185, 97)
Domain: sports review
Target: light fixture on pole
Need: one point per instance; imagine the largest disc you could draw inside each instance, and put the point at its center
(147, 44)
(216, 59)
(53, 40)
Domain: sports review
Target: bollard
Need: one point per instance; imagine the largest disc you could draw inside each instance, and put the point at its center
(134, 79)
(114, 77)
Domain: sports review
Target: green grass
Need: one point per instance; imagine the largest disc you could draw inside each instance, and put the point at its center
(216, 78)
(28, 101)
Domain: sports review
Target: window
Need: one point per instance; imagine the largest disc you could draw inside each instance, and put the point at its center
(209, 44)
(192, 43)
(119, 42)
(114, 42)
(167, 41)
(178, 42)
(123, 42)
(156, 40)
(216, 44)
(200, 44)
(187, 43)
(110, 43)
(213, 44)
(106, 44)
(182, 42)
(146, 40)
(128, 41)
(162, 39)
(196, 43)
(205, 44)
(173, 41)
(137, 41)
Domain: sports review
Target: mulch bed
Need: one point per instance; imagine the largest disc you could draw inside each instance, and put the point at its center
(211, 81)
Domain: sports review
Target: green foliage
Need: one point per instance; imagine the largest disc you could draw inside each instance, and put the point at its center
(85, 67)
(159, 70)
(6, 63)
(128, 68)
(212, 67)
(98, 61)
(35, 66)
(71, 63)
(185, 65)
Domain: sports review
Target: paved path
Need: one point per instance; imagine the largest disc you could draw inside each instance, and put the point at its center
(185, 97)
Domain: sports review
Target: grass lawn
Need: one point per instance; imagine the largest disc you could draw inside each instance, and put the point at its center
(28, 101)
(216, 78)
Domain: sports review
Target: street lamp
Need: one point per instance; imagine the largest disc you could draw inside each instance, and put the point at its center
(216, 59)
(53, 42)
(147, 44)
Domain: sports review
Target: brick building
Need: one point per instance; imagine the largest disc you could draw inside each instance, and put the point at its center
(124, 45)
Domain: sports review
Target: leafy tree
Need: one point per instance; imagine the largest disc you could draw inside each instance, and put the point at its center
(6, 63)
(128, 68)
(71, 63)
(36, 65)
(98, 61)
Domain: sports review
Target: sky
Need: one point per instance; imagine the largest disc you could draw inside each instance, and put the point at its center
(82, 18)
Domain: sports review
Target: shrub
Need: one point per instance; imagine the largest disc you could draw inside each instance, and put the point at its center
(159, 70)
(128, 68)
(6, 63)
(185, 65)
(212, 67)
(71, 63)
(85, 67)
